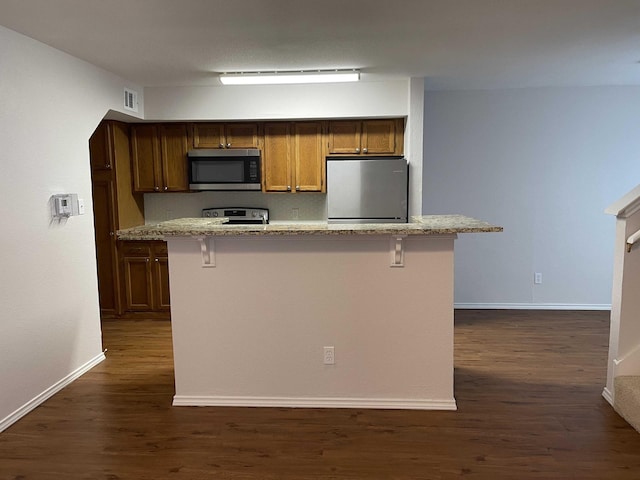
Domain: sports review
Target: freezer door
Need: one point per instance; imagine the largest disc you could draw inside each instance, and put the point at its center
(374, 189)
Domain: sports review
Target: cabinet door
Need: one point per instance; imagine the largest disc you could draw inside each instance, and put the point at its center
(241, 135)
(276, 157)
(137, 278)
(107, 264)
(101, 149)
(145, 154)
(309, 156)
(208, 135)
(174, 147)
(344, 137)
(161, 283)
(379, 137)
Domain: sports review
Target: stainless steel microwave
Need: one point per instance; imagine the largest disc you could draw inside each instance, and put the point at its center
(225, 169)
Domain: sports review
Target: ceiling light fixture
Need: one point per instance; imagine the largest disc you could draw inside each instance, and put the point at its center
(302, 76)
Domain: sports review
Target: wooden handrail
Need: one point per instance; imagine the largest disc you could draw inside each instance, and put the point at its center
(632, 239)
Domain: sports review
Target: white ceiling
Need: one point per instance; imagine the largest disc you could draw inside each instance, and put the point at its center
(454, 44)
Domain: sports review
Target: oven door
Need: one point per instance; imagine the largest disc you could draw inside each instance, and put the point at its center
(224, 169)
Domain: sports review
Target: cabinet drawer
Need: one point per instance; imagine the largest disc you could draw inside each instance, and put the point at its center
(160, 249)
(134, 248)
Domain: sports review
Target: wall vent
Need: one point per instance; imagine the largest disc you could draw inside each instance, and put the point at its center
(130, 100)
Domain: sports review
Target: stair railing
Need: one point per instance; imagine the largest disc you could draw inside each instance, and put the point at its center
(632, 239)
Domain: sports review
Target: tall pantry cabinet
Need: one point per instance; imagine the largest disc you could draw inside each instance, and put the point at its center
(115, 206)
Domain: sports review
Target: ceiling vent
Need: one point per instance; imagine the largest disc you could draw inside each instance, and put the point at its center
(130, 100)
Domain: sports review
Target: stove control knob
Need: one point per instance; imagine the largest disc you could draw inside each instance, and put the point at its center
(215, 214)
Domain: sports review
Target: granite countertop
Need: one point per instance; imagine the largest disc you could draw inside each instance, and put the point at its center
(420, 225)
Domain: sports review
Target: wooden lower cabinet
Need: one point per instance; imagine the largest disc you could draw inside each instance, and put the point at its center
(145, 277)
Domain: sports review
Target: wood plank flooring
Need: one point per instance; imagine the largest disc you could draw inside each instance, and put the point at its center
(528, 387)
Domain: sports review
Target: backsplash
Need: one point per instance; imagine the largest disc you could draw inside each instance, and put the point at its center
(159, 207)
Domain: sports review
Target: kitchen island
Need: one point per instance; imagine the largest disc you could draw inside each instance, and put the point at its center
(313, 315)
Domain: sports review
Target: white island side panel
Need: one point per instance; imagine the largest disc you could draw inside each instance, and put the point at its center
(251, 330)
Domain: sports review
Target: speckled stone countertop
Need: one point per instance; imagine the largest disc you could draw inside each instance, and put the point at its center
(420, 225)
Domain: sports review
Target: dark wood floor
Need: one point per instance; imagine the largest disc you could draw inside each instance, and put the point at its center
(528, 386)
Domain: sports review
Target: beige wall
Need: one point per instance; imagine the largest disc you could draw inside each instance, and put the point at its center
(251, 330)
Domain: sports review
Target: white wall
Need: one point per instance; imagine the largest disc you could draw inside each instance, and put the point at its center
(544, 164)
(50, 327)
(270, 102)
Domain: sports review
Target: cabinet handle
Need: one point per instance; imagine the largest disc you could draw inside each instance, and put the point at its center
(166, 188)
(365, 150)
(111, 233)
(228, 145)
(288, 188)
(157, 260)
(297, 188)
(357, 150)
(221, 145)
(107, 166)
(146, 260)
(156, 189)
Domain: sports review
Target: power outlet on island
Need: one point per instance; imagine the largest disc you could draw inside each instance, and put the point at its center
(329, 355)
(537, 278)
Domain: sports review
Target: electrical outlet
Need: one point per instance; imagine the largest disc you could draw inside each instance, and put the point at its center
(295, 213)
(537, 278)
(329, 356)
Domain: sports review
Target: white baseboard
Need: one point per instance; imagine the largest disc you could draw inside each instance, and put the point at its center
(533, 306)
(608, 396)
(49, 392)
(315, 402)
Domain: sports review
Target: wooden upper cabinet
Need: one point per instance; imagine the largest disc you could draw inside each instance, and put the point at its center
(241, 135)
(379, 137)
(366, 137)
(344, 137)
(208, 135)
(225, 135)
(293, 157)
(174, 146)
(276, 157)
(101, 148)
(309, 156)
(159, 157)
(145, 158)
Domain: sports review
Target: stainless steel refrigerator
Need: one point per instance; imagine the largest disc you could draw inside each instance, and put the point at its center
(367, 190)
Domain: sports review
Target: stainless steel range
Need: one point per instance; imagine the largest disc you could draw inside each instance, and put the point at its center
(239, 215)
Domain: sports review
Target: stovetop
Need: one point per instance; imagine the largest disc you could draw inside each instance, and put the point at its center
(239, 215)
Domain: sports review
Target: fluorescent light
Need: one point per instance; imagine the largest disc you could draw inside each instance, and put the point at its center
(270, 78)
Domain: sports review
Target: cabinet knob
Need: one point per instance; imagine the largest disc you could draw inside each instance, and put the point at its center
(107, 166)
(297, 188)
(228, 145)
(357, 150)
(157, 260)
(288, 188)
(365, 150)
(157, 189)
(146, 260)
(221, 145)
(166, 188)
(111, 234)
